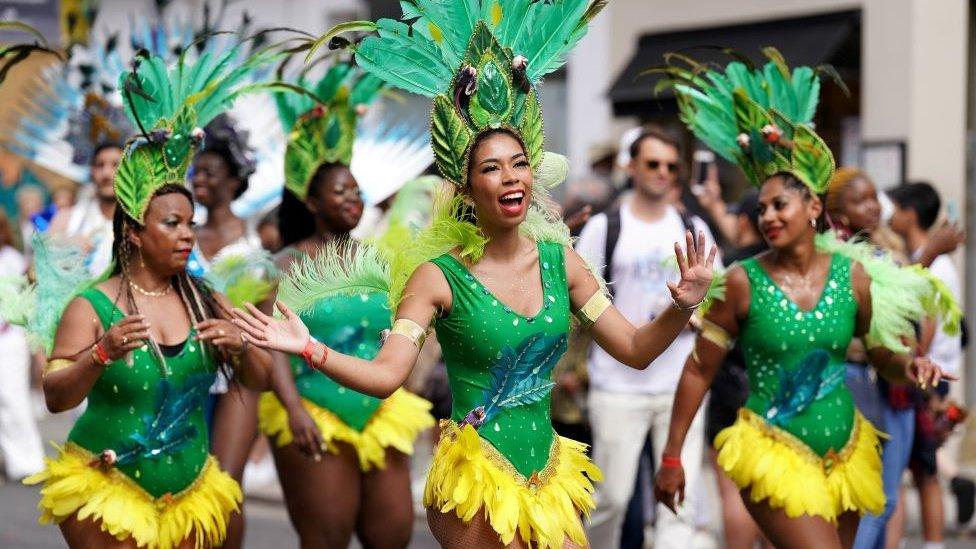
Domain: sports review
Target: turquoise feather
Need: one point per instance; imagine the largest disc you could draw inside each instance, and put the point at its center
(522, 375)
(168, 430)
(813, 378)
(405, 60)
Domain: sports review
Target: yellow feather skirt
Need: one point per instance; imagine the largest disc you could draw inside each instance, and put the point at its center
(395, 424)
(468, 474)
(124, 510)
(780, 469)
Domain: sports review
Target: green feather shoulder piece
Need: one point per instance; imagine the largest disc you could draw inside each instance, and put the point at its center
(341, 268)
(899, 295)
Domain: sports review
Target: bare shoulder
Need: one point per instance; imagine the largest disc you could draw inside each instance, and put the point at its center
(428, 286)
(575, 264)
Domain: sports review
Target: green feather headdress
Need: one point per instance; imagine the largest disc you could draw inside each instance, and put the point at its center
(480, 61)
(759, 118)
(322, 122)
(170, 105)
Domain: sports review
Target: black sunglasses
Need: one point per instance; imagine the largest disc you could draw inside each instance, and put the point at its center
(655, 164)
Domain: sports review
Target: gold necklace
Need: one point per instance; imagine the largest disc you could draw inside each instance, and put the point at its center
(148, 293)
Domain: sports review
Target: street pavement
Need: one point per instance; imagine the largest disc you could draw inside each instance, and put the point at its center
(267, 525)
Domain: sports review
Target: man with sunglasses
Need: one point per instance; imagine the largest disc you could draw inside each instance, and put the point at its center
(634, 241)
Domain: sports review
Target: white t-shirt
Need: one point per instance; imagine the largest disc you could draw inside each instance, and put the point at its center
(643, 264)
(946, 350)
(86, 222)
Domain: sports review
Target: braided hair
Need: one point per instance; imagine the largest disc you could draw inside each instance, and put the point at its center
(196, 294)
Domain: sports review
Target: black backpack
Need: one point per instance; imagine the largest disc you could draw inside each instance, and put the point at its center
(613, 235)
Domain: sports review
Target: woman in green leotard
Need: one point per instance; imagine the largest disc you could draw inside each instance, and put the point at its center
(144, 343)
(342, 456)
(143, 347)
(494, 275)
(806, 462)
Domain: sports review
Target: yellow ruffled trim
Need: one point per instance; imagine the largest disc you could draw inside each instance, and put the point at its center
(124, 510)
(778, 467)
(468, 475)
(395, 424)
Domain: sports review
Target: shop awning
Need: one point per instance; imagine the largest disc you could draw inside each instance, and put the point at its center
(828, 38)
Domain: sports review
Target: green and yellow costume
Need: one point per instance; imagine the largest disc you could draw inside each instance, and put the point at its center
(323, 129)
(351, 324)
(163, 485)
(137, 460)
(799, 444)
(500, 453)
(481, 61)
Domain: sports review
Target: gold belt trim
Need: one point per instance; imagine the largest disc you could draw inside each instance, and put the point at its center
(790, 440)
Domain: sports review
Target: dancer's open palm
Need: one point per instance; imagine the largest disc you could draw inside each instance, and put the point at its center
(695, 269)
(288, 334)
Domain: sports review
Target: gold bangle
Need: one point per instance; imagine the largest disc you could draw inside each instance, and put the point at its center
(595, 307)
(56, 364)
(716, 334)
(410, 330)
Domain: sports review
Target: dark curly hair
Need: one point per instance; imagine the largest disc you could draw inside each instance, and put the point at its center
(223, 139)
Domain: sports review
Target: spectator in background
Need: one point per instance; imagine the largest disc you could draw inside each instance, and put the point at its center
(730, 387)
(89, 221)
(917, 206)
(268, 232)
(30, 202)
(635, 241)
(20, 442)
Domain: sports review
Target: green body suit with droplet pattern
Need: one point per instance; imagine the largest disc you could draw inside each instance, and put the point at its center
(480, 333)
(788, 387)
(125, 397)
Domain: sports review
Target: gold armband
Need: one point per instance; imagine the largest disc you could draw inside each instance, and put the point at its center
(590, 312)
(57, 364)
(716, 334)
(410, 330)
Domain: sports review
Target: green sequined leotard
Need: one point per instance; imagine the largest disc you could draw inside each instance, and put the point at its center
(349, 324)
(795, 358)
(155, 424)
(501, 363)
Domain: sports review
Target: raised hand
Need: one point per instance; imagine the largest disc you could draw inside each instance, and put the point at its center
(288, 334)
(696, 272)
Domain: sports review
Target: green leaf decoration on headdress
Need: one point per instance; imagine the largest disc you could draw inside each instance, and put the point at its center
(759, 118)
(450, 137)
(170, 104)
(479, 59)
(322, 122)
